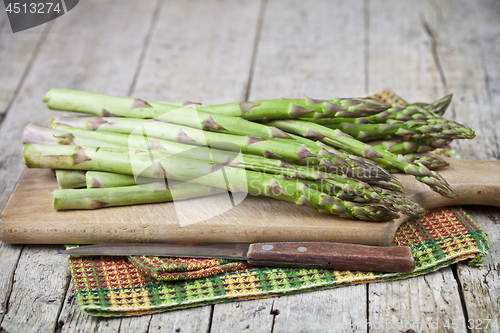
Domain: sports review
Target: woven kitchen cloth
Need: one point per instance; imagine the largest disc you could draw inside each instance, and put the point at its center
(117, 286)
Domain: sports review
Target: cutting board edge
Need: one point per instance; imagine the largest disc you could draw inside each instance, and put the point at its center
(22, 232)
(13, 225)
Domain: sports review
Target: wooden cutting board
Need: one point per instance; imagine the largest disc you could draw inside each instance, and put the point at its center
(30, 218)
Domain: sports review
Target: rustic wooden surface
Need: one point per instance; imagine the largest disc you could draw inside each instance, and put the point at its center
(223, 51)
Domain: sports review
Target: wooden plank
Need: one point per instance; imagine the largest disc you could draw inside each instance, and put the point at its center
(251, 316)
(405, 63)
(462, 63)
(17, 52)
(421, 304)
(188, 320)
(481, 288)
(400, 52)
(310, 49)
(40, 282)
(313, 49)
(71, 319)
(476, 52)
(9, 257)
(200, 51)
(197, 51)
(86, 62)
(333, 310)
(487, 15)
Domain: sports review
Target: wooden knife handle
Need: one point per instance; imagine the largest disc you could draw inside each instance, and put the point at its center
(340, 256)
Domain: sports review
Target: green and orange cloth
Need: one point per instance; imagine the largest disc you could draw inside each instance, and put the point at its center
(123, 286)
(135, 285)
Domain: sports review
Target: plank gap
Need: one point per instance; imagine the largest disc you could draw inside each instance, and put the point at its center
(486, 79)
(59, 323)
(428, 31)
(146, 45)
(149, 323)
(462, 296)
(367, 307)
(210, 318)
(273, 313)
(258, 31)
(5, 306)
(27, 69)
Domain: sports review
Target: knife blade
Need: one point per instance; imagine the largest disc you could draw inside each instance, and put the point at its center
(321, 255)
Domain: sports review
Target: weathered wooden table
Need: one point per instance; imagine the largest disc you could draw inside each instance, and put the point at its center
(224, 51)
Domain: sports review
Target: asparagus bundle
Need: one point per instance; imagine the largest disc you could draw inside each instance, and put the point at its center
(202, 143)
(201, 172)
(338, 186)
(106, 106)
(326, 158)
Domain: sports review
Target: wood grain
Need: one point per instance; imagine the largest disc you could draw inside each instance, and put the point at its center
(406, 62)
(434, 45)
(254, 220)
(200, 51)
(332, 310)
(310, 50)
(243, 316)
(85, 62)
(30, 308)
(402, 62)
(338, 256)
(422, 304)
(17, 52)
(475, 51)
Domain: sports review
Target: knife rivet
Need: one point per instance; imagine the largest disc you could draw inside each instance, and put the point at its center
(267, 247)
(302, 249)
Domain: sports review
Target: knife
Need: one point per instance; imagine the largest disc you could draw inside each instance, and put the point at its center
(339, 256)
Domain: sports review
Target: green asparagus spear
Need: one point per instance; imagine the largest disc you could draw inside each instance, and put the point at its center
(351, 165)
(439, 107)
(410, 120)
(94, 198)
(68, 179)
(188, 135)
(105, 106)
(101, 179)
(34, 133)
(402, 146)
(432, 162)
